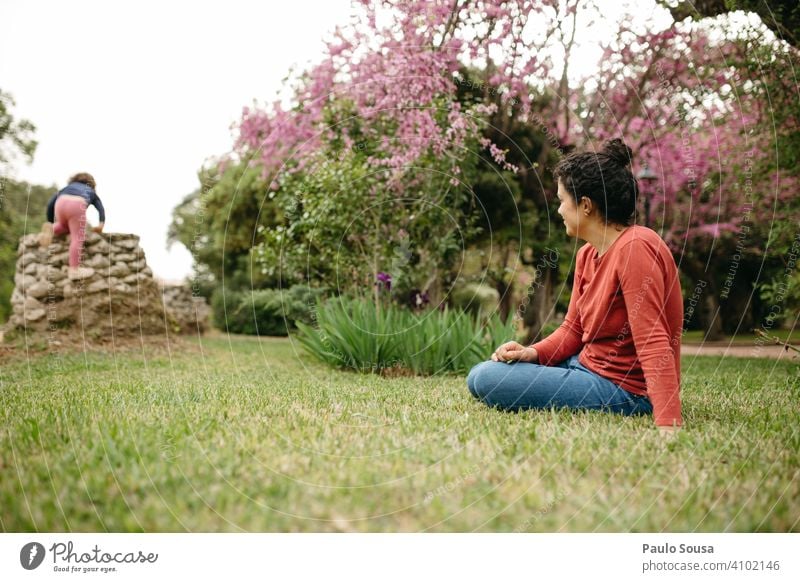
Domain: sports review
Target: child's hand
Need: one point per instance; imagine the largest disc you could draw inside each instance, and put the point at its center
(99, 228)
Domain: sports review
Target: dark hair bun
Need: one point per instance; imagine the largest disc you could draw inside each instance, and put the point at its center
(618, 151)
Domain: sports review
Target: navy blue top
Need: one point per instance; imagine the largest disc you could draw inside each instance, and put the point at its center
(77, 189)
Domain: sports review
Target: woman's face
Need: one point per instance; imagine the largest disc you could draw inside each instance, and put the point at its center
(568, 210)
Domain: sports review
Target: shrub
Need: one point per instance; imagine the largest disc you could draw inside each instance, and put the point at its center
(354, 334)
(477, 298)
(264, 311)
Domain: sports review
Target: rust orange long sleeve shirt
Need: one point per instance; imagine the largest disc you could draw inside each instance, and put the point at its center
(625, 316)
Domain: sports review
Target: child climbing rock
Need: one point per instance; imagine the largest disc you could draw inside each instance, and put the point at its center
(66, 213)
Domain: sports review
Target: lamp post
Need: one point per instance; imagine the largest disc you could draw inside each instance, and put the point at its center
(647, 176)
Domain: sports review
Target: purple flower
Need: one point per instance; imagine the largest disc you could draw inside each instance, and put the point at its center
(384, 280)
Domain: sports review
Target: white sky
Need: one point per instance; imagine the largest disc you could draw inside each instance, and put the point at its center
(141, 94)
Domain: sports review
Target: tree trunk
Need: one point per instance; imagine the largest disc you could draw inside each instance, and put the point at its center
(737, 312)
(712, 318)
(503, 286)
(708, 312)
(540, 302)
(505, 290)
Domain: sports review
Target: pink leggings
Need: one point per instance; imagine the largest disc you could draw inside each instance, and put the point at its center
(71, 218)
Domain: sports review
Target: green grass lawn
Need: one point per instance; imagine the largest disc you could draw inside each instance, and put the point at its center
(791, 336)
(244, 435)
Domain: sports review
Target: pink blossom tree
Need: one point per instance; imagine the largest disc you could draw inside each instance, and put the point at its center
(442, 84)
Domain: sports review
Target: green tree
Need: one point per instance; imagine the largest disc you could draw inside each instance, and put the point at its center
(218, 224)
(343, 226)
(15, 135)
(516, 216)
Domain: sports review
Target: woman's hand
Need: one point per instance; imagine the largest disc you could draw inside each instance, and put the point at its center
(668, 432)
(513, 351)
(99, 228)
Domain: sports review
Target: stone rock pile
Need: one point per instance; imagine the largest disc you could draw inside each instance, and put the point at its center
(191, 312)
(120, 297)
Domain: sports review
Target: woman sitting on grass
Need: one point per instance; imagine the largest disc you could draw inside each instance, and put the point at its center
(618, 349)
(66, 213)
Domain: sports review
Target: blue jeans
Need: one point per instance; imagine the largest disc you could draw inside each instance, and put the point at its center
(569, 384)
